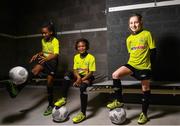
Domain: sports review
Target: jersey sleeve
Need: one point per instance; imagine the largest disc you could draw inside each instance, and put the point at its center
(42, 45)
(128, 44)
(151, 41)
(75, 65)
(92, 64)
(56, 46)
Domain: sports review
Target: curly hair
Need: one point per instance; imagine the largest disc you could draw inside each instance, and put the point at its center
(85, 41)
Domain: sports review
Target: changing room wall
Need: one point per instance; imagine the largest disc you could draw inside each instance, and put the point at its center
(8, 46)
(22, 23)
(68, 16)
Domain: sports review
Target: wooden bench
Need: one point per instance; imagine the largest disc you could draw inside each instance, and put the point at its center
(130, 87)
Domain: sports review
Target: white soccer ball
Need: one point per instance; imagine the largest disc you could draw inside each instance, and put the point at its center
(117, 116)
(18, 75)
(60, 114)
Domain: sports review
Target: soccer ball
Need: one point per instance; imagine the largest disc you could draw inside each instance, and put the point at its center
(60, 114)
(117, 116)
(18, 75)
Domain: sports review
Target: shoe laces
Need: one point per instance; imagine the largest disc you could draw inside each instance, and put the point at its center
(49, 107)
(141, 116)
(115, 102)
(80, 115)
(62, 99)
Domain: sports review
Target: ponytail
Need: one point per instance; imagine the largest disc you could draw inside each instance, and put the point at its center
(51, 27)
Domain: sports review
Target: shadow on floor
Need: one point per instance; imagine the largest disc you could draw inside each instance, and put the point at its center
(161, 113)
(22, 113)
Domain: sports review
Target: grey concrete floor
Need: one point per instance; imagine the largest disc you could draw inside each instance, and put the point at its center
(28, 106)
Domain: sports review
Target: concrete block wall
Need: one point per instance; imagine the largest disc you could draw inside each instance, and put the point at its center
(7, 55)
(7, 18)
(109, 46)
(68, 15)
(8, 46)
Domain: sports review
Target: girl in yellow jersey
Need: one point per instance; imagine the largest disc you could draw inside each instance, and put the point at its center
(82, 76)
(47, 61)
(141, 48)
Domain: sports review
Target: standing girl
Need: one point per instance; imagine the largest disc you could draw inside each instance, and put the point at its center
(141, 48)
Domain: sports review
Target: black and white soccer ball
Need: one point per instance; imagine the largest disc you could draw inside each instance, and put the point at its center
(117, 116)
(60, 114)
(18, 75)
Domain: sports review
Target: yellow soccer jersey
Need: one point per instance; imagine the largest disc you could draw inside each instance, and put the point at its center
(50, 47)
(85, 65)
(139, 46)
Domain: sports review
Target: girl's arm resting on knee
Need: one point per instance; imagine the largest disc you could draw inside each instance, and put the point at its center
(35, 56)
(78, 78)
(87, 76)
(49, 57)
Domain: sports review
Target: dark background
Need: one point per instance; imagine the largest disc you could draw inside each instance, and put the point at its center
(19, 18)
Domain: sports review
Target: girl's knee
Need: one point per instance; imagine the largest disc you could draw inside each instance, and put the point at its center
(145, 88)
(145, 85)
(34, 72)
(83, 88)
(50, 80)
(114, 75)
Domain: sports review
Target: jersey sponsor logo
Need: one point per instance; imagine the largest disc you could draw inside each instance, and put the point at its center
(138, 47)
(84, 62)
(82, 70)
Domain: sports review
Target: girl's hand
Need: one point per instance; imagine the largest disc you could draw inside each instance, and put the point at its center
(78, 82)
(33, 58)
(42, 59)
